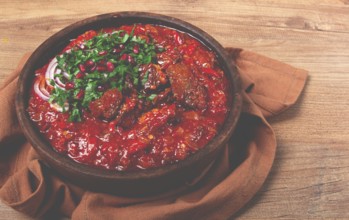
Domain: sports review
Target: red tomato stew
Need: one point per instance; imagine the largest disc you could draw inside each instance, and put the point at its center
(130, 97)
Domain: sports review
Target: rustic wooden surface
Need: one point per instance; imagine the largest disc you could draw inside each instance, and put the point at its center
(310, 176)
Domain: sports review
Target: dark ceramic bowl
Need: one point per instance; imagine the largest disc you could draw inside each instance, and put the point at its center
(129, 183)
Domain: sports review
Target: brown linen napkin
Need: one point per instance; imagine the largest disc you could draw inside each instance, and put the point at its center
(270, 87)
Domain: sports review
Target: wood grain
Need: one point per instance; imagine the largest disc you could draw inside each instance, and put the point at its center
(310, 176)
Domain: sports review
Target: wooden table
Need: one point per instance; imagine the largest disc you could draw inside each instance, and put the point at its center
(310, 176)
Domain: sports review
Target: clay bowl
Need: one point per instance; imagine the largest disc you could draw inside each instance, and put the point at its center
(127, 183)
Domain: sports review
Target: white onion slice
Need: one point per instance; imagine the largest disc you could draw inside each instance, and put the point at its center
(51, 71)
(66, 75)
(41, 84)
(44, 90)
(59, 83)
(41, 90)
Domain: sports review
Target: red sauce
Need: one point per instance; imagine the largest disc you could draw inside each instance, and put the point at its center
(187, 113)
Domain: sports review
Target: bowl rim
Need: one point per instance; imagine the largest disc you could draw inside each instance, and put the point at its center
(52, 157)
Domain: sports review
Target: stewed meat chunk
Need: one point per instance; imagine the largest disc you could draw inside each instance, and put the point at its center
(107, 106)
(186, 87)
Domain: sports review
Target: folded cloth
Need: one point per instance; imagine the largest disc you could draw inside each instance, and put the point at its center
(269, 87)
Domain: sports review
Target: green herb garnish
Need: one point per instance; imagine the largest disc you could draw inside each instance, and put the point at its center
(152, 97)
(103, 61)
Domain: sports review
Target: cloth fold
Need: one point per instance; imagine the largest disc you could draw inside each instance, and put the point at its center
(269, 87)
